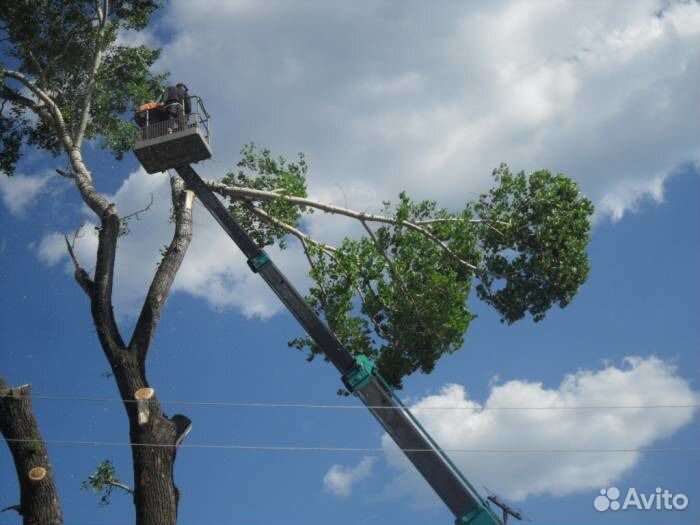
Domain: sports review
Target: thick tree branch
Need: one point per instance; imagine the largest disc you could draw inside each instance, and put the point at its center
(83, 179)
(39, 502)
(97, 60)
(59, 122)
(101, 305)
(167, 269)
(239, 192)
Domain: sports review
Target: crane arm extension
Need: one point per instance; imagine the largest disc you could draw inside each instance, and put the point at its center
(359, 375)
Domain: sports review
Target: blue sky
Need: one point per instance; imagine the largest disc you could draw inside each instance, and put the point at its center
(610, 99)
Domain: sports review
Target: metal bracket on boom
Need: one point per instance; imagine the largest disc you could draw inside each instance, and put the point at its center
(478, 516)
(360, 375)
(258, 261)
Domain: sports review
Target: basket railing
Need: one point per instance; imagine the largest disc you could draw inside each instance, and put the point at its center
(159, 123)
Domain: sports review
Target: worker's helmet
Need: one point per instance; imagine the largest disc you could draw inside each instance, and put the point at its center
(181, 85)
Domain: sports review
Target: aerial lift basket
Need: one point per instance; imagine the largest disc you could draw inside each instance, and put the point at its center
(163, 142)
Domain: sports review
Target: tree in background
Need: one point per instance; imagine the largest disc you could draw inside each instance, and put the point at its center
(397, 294)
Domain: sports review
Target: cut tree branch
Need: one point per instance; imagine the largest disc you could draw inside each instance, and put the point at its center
(239, 193)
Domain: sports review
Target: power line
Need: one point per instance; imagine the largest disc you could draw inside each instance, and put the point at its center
(340, 406)
(325, 522)
(285, 448)
(404, 522)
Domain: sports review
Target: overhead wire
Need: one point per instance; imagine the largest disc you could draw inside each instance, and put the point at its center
(567, 521)
(287, 448)
(342, 406)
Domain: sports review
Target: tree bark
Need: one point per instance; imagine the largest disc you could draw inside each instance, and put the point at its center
(154, 436)
(154, 445)
(39, 503)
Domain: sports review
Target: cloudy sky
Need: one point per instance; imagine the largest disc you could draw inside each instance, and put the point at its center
(384, 97)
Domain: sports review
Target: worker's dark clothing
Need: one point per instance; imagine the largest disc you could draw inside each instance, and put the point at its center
(178, 94)
(174, 102)
(172, 94)
(178, 105)
(185, 99)
(140, 118)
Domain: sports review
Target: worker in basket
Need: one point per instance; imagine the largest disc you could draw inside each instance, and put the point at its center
(177, 105)
(174, 105)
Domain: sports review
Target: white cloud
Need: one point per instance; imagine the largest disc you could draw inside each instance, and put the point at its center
(339, 480)
(642, 381)
(52, 249)
(214, 269)
(627, 195)
(403, 96)
(19, 191)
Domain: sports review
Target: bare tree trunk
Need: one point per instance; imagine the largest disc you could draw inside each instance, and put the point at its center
(156, 496)
(154, 436)
(39, 504)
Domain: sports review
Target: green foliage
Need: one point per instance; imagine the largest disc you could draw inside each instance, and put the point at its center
(400, 294)
(103, 481)
(129, 69)
(396, 297)
(259, 170)
(535, 255)
(54, 44)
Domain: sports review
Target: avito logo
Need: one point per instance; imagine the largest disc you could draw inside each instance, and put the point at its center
(660, 500)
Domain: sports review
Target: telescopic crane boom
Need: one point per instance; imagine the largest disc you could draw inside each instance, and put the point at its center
(358, 373)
